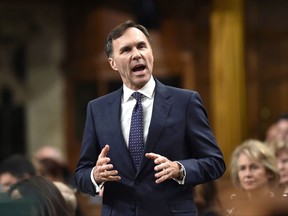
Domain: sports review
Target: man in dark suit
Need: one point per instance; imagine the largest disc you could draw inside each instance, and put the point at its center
(176, 151)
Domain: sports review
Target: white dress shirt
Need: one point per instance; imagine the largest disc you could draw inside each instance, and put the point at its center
(127, 104)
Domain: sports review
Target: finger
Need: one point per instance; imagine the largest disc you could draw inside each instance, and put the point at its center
(163, 176)
(158, 159)
(160, 180)
(111, 178)
(165, 168)
(102, 161)
(152, 156)
(105, 167)
(161, 173)
(107, 174)
(110, 175)
(160, 166)
(104, 151)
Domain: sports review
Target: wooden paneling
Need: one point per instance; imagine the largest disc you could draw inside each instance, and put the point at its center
(228, 74)
(266, 54)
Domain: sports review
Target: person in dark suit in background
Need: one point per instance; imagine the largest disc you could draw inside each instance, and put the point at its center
(176, 151)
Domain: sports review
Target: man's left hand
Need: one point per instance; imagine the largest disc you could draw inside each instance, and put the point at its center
(165, 169)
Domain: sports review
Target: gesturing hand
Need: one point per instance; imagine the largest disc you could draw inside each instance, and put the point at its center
(103, 170)
(165, 168)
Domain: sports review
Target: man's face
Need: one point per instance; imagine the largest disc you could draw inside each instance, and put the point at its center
(133, 58)
(6, 180)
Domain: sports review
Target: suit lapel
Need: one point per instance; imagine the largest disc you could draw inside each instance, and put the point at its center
(114, 112)
(161, 108)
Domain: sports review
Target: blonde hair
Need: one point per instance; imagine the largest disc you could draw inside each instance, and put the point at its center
(256, 150)
(278, 146)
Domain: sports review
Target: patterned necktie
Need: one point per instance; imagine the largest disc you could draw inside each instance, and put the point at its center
(136, 143)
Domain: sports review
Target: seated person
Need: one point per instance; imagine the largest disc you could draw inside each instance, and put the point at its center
(280, 149)
(69, 196)
(13, 169)
(254, 171)
(44, 197)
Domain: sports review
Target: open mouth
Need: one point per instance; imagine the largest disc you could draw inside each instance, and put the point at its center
(138, 68)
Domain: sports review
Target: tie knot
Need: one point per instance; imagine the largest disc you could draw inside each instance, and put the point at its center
(137, 96)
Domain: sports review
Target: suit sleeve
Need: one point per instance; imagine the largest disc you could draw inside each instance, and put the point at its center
(206, 162)
(88, 155)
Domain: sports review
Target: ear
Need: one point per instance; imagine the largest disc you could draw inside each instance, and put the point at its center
(112, 64)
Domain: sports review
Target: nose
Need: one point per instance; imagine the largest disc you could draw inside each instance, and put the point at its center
(247, 172)
(136, 55)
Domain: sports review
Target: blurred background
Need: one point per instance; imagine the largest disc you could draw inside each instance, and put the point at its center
(233, 52)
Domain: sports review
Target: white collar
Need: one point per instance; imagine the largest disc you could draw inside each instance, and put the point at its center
(146, 90)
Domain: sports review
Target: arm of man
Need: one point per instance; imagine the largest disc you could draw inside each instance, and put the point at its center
(93, 163)
(206, 162)
(201, 160)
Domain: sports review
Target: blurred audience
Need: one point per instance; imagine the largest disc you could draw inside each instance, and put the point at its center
(282, 127)
(206, 199)
(50, 152)
(69, 196)
(271, 133)
(53, 170)
(254, 171)
(10, 207)
(51, 163)
(42, 194)
(280, 149)
(278, 131)
(14, 169)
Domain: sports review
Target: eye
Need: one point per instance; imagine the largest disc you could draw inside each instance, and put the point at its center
(241, 168)
(141, 45)
(254, 166)
(125, 49)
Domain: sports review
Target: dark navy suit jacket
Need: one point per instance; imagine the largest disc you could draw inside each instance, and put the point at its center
(179, 130)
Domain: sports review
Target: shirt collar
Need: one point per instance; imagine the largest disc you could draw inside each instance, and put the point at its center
(146, 90)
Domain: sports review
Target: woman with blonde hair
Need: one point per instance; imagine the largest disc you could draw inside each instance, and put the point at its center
(254, 171)
(280, 149)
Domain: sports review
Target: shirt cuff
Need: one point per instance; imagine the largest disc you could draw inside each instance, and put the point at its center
(97, 187)
(181, 182)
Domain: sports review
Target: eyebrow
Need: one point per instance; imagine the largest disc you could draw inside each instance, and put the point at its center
(142, 43)
(129, 46)
(124, 48)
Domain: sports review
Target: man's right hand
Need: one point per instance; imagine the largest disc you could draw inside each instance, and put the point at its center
(103, 170)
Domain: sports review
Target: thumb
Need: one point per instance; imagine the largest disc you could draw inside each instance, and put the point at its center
(104, 151)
